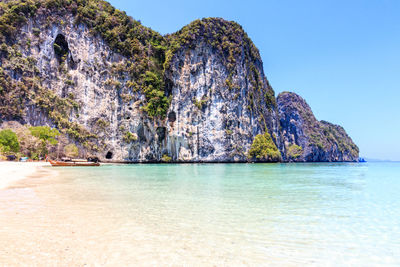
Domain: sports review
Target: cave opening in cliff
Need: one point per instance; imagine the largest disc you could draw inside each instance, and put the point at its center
(61, 47)
(172, 116)
(109, 155)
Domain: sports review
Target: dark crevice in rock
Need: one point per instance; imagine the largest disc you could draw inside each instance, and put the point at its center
(161, 132)
(140, 133)
(172, 116)
(71, 62)
(168, 86)
(109, 155)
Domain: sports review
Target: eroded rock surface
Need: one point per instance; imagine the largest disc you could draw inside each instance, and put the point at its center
(307, 139)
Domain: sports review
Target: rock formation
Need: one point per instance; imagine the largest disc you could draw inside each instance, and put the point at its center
(121, 91)
(304, 138)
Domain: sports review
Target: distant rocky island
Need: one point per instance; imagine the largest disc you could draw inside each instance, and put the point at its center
(120, 91)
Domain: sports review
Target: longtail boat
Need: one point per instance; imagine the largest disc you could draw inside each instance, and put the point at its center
(57, 163)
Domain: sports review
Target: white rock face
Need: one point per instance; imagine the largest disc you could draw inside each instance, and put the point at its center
(207, 121)
(84, 76)
(213, 122)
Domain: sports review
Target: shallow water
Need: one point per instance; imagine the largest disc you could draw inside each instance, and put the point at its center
(205, 214)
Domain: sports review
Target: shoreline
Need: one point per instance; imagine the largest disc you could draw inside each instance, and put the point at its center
(12, 172)
(217, 162)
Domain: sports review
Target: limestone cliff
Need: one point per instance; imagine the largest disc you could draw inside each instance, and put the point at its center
(121, 91)
(307, 139)
(220, 97)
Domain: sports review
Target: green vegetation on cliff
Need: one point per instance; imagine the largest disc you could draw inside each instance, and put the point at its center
(232, 44)
(149, 54)
(320, 140)
(226, 37)
(13, 92)
(336, 134)
(130, 137)
(12, 16)
(144, 48)
(16, 95)
(158, 102)
(124, 34)
(264, 149)
(294, 151)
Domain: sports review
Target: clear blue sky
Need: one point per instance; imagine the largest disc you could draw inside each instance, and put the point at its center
(342, 56)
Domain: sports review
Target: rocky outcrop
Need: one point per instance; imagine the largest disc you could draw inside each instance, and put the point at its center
(307, 139)
(216, 110)
(121, 91)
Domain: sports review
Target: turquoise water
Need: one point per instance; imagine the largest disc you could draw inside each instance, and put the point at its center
(238, 214)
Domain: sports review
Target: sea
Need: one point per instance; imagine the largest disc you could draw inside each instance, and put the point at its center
(300, 214)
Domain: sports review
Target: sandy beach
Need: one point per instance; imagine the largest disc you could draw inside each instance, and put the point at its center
(11, 172)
